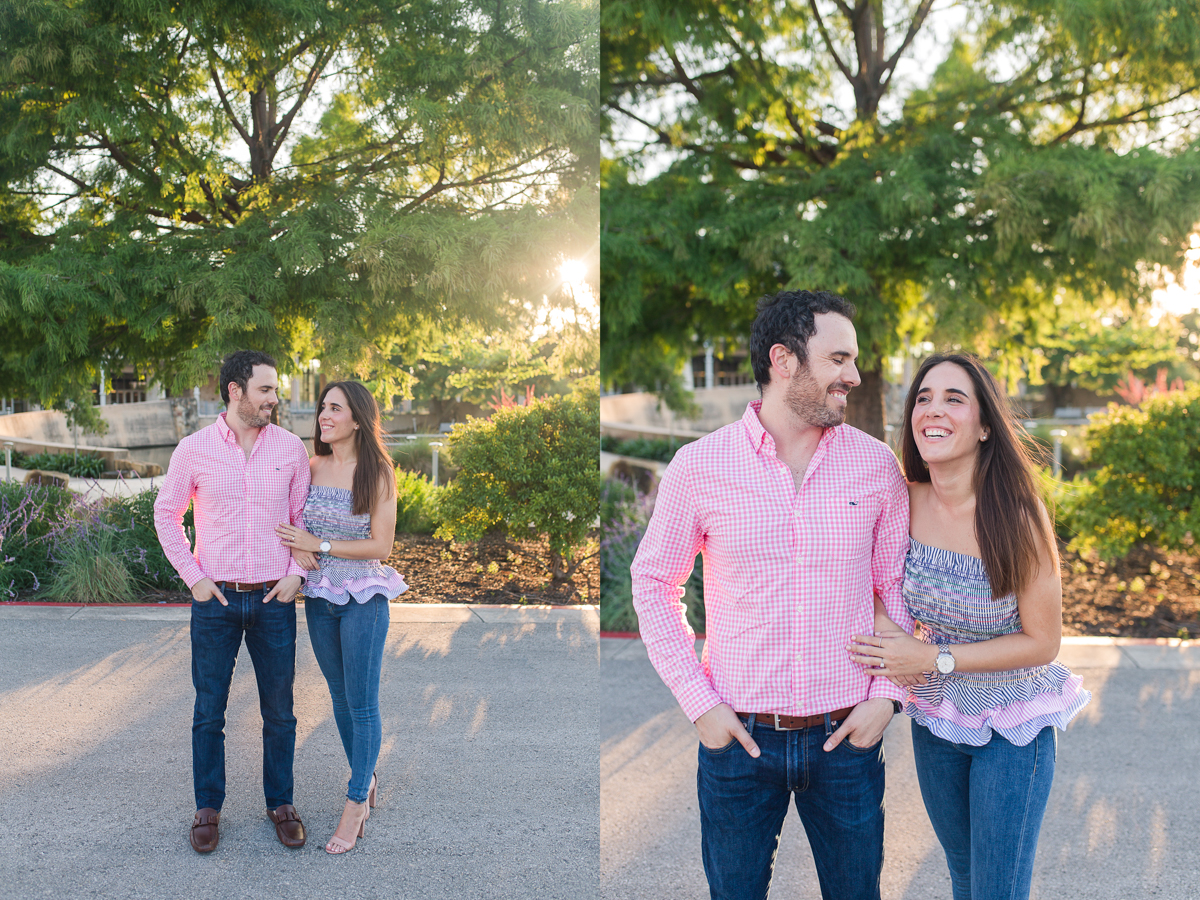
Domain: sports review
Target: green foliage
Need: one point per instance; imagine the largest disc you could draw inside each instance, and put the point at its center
(28, 515)
(1148, 470)
(660, 449)
(90, 569)
(416, 504)
(333, 180)
(86, 466)
(134, 539)
(529, 471)
(1053, 147)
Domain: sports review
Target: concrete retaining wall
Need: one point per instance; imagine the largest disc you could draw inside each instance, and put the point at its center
(719, 406)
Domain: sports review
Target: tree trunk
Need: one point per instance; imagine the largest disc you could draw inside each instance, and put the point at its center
(865, 409)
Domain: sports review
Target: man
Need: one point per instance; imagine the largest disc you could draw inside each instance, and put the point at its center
(801, 520)
(243, 476)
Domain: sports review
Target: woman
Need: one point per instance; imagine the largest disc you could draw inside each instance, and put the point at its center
(350, 517)
(981, 577)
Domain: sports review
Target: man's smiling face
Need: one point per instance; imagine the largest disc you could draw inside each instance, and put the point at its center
(261, 396)
(817, 390)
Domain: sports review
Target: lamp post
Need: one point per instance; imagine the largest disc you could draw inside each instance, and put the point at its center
(1058, 434)
(8, 445)
(435, 445)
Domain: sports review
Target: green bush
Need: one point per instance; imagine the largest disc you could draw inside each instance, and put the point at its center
(416, 504)
(135, 539)
(89, 568)
(85, 466)
(29, 516)
(1147, 476)
(660, 449)
(529, 471)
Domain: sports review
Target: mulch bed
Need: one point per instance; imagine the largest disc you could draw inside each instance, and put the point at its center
(489, 571)
(1147, 594)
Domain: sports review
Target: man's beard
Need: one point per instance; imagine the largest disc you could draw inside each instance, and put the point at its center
(250, 415)
(809, 402)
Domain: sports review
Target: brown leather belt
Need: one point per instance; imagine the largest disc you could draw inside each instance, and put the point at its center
(245, 588)
(793, 723)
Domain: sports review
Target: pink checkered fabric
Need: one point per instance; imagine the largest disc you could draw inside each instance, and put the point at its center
(789, 575)
(239, 502)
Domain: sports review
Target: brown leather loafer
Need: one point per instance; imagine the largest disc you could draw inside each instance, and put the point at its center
(204, 835)
(288, 827)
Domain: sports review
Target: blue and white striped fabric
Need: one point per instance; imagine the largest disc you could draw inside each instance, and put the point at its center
(950, 595)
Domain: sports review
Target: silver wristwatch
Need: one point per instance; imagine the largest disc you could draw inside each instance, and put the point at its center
(945, 659)
(326, 546)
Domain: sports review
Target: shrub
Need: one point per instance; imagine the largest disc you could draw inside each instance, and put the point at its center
(660, 449)
(28, 516)
(1144, 489)
(85, 466)
(416, 504)
(135, 539)
(90, 569)
(529, 471)
(624, 523)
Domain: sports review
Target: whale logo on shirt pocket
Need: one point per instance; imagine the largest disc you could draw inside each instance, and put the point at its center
(846, 527)
(277, 481)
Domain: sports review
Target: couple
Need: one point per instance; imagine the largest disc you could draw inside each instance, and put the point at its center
(814, 573)
(252, 487)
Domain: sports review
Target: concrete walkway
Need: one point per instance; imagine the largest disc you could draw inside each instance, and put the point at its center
(487, 775)
(1122, 823)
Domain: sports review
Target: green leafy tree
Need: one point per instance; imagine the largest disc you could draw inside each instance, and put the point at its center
(529, 471)
(178, 179)
(1052, 147)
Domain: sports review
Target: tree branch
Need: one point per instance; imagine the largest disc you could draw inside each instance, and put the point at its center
(828, 40)
(914, 26)
(280, 130)
(225, 103)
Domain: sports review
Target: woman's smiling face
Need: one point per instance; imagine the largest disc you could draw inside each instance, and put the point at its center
(945, 418)
(335, 418)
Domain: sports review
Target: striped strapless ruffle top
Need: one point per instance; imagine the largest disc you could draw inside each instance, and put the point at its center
(327, 514)
(950, 595)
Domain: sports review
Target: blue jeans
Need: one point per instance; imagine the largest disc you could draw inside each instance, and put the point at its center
(270, 632)
(348, 644)
(743, 802)
(986, 805)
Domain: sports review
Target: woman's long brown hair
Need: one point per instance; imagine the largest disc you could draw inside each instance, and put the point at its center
(1009, 524)
(374, 466)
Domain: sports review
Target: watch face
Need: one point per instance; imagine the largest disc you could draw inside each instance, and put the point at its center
(945, 663)
(325, 546)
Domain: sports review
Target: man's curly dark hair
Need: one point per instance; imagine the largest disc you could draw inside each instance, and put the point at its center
(788, 318)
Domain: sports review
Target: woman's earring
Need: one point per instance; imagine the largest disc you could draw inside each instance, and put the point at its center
(985, 436)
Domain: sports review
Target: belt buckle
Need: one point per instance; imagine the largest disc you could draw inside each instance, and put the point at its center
(237, 586)
(777, 726)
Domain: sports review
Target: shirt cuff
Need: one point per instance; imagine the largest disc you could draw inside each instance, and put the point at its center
(294, 568)
(698, 698)
(881, 688)
(192, 574)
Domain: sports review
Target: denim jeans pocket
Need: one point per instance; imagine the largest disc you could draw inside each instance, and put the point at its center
(857, 749)
(733, 743)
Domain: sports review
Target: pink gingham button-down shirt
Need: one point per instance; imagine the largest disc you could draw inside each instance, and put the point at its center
(789, 575)
(239, 501)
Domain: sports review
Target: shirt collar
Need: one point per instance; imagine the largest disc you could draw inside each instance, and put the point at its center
(227, 434)
(223, 427)
(760, 438)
